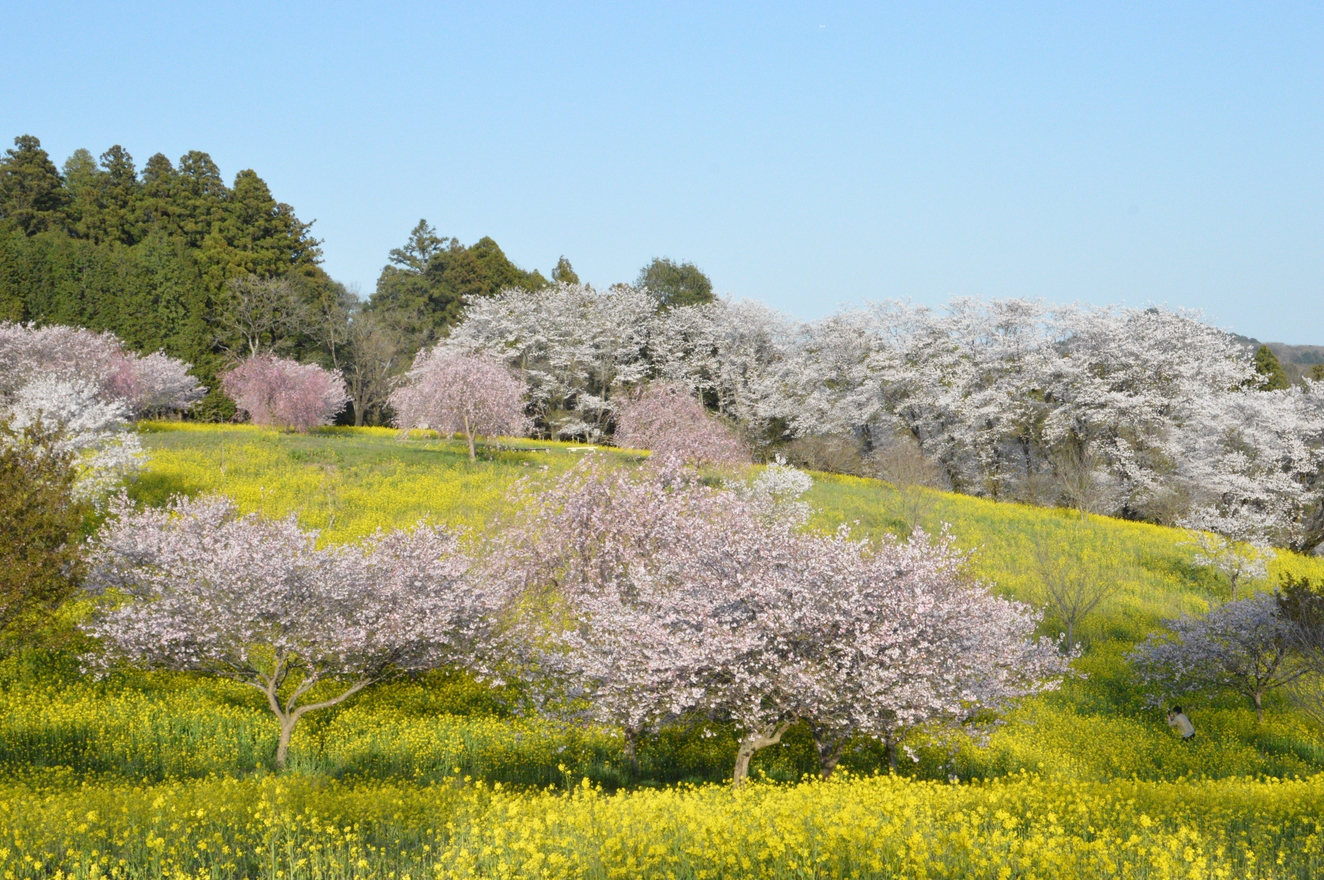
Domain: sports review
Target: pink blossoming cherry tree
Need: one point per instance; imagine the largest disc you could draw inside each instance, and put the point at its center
(196, 586)
(280, 393)
(455, 393)
(668, 420)
(673, 598)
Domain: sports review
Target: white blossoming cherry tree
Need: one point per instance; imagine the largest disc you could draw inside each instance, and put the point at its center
(198, 587)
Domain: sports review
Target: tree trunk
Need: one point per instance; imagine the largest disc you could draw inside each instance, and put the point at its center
(1259, 708)
(830, 749)
(889, 748)
(283, 744)
(632, 750)
(751, 744)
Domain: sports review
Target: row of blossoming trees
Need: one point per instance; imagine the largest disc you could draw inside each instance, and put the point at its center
(631, 597)
(1147, 413)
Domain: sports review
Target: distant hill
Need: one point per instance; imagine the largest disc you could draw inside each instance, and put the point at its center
(1296, 359)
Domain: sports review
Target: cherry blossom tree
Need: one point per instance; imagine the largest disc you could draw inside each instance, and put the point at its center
(667, 597)
(1144, 413)
(198, 587)
(455, 393)
(276, 392)
(916, 641)
(155, 385)
(148, 385)
(666, 419)
(1244, 646)
(599, 548)
(775, 493)
(79, 424)
(1243, 558)
(577, 349)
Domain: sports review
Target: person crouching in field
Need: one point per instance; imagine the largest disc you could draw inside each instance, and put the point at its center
(1177, 718)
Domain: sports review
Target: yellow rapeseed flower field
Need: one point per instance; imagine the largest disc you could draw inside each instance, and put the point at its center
(440, 776)
(872, 827)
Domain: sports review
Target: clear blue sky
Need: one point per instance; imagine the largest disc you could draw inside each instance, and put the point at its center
(808, 155)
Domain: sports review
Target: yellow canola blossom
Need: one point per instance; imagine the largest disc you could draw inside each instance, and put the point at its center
(872, 827)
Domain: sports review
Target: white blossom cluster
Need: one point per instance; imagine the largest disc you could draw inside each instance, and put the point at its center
(84, 388)
(1146, 413)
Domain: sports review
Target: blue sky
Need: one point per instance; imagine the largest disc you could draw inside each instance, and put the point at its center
(808, 155)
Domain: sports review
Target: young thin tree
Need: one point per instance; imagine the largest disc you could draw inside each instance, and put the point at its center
(1073, 580)
(373, 355)
(454, 393)
(198, 587)
(1241, 551)
(914, 477)
(279, 393)
(1244, 646)
(1301, 603)
(666, 419)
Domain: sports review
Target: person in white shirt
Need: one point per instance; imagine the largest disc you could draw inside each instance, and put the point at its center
(1177, 718)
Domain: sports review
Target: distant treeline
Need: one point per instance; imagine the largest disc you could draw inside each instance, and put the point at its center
(172, 258)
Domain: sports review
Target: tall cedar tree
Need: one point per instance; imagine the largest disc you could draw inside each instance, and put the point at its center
(422, 292)
(1272, 375)
(40, 527)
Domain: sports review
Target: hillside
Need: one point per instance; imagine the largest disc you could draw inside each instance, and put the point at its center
(348, 482)
(417, 775)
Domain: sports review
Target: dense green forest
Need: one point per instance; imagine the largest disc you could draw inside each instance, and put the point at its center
(173, 258)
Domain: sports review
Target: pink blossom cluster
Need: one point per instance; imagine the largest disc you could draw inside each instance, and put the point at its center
(146, 385)
(256, 600)
(278, 392)
(679, 599)
(632, 598)
(666, 418)
(455, 393)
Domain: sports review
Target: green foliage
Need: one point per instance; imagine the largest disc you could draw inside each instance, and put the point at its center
(41, 527)
(564, 273)
(422, 291)
(1269, 367)
(32, 195)
(146, 258)
(675, 284)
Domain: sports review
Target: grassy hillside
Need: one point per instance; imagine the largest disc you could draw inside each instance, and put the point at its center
(348, 482)
(1088, 780)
